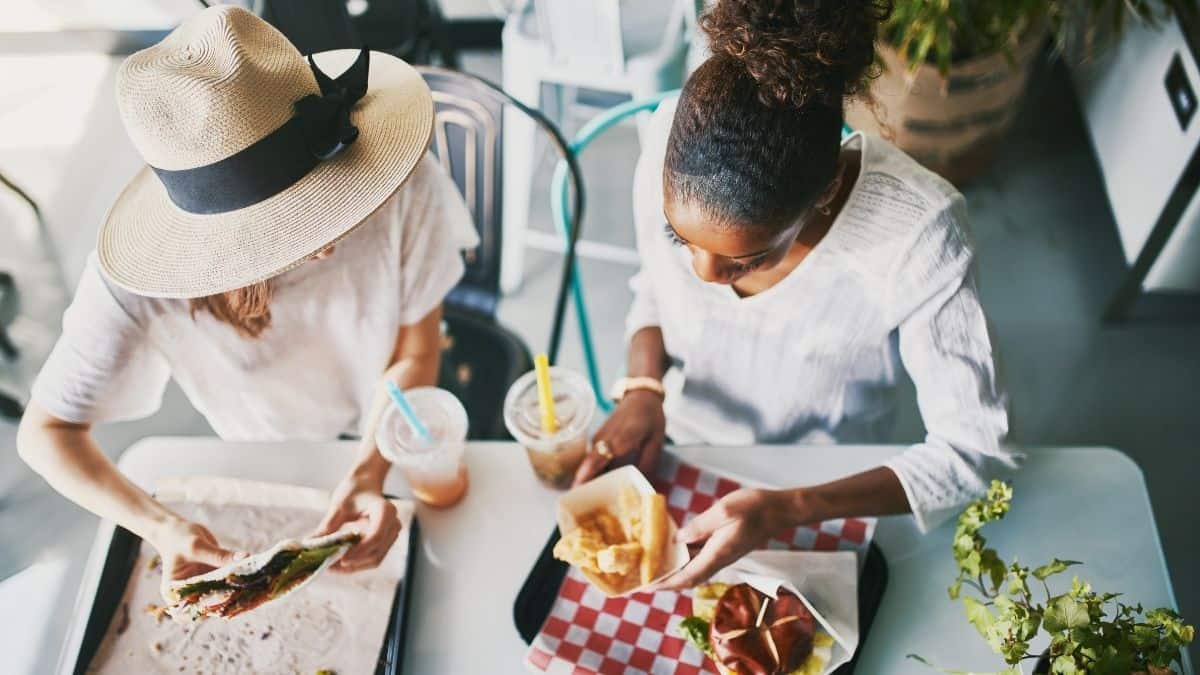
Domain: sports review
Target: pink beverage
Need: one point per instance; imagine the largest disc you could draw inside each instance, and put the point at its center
(435, 469)
(554, 457)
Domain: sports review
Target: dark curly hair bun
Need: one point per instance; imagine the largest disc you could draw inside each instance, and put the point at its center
(800, 52)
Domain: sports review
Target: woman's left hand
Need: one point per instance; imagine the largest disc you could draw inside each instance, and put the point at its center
(737, 524)
(361, 508)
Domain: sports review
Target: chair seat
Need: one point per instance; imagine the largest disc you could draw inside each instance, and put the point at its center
(480, 360)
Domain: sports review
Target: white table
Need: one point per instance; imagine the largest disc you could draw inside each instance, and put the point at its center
(1086, 504)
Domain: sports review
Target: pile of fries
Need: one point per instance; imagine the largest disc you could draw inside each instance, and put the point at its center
(619, 552)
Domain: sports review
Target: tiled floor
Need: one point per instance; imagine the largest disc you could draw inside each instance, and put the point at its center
(1049, 258)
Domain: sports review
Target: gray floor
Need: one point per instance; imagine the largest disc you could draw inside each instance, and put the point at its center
(1049, 258)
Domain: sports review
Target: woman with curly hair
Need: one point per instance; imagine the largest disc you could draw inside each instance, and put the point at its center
(787, 275)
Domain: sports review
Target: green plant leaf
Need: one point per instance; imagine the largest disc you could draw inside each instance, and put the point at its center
(945, 49)
(1064, 613)
(979, 615)
(1053, 567)
(1079, 588)
(1013, 651)
(1017, 585)
(970, 564)
(1090, 633)
(1029, 626)
(945, 32)
(1065, 665)
(991, 565)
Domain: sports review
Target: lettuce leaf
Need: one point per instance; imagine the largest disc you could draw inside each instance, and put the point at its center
(695, 630)
(303, 564)
(202, 587)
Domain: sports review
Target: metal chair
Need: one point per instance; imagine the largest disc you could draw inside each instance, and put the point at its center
(626, 48)
(10, 407)
(16, 300)
(481, 358)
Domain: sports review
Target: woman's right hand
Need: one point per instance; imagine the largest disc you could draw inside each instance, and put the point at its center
(188, 549)
(634, 432)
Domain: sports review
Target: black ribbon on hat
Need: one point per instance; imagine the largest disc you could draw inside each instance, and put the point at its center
(319, 130)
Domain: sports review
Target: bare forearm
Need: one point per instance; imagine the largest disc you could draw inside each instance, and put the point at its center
(647, 354)
(416, 371)
(875, 492)
(67, 457)
(415, 363)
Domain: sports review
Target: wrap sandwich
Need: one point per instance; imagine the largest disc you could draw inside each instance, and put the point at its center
(248, 583)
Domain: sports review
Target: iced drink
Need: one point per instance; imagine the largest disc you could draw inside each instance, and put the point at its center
(554, 456)
(435, 469)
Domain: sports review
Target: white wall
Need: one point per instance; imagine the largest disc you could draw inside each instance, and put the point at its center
(1140, 145)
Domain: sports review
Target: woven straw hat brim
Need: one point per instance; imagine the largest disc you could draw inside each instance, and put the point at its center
(151, 247)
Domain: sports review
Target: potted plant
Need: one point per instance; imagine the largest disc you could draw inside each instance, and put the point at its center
(1089, 632)
(953, 71)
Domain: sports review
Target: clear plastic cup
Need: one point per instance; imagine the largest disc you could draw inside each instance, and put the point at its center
(435, 470)
(554, 457)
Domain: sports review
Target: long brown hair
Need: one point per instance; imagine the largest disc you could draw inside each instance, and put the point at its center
(247, 309)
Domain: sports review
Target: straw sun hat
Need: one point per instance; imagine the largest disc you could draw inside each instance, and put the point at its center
(257, 159)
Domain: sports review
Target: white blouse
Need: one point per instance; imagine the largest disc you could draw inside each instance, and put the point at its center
(814, 358)
(312, 374)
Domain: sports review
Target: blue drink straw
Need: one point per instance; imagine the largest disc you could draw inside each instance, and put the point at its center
(407, 411)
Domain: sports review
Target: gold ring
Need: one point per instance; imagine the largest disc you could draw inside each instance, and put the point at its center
(603, 449)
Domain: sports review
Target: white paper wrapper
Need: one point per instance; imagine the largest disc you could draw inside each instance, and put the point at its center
(605, 491)
(826, 582)
(338, 622)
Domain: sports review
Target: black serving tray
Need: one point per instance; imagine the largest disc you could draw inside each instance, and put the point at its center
(122, 556)
(540, 589)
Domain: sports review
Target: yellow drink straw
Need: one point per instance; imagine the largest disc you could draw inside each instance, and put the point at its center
(541, 365)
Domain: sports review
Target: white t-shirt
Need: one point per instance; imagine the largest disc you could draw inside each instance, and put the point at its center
(814, 358)
(310, 375)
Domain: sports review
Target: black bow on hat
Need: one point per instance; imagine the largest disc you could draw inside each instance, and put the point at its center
(326, 117)
(318, 130)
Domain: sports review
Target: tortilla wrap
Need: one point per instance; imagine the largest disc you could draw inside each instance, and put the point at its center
(204, 603)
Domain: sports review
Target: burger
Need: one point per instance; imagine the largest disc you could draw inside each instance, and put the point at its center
(747, 632)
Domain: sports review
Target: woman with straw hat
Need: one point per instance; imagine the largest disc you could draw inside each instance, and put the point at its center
(288, 243)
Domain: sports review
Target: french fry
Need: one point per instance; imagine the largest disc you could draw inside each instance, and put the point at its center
(653, 535)
(609, 526)
(621, 543)
(620, 558)
(629, 511)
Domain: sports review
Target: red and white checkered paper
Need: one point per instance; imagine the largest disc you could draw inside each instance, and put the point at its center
(587, 633)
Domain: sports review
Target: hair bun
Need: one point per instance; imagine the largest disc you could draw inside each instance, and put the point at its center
(800, 52)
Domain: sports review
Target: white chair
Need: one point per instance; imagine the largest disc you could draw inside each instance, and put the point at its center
(634, 47)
